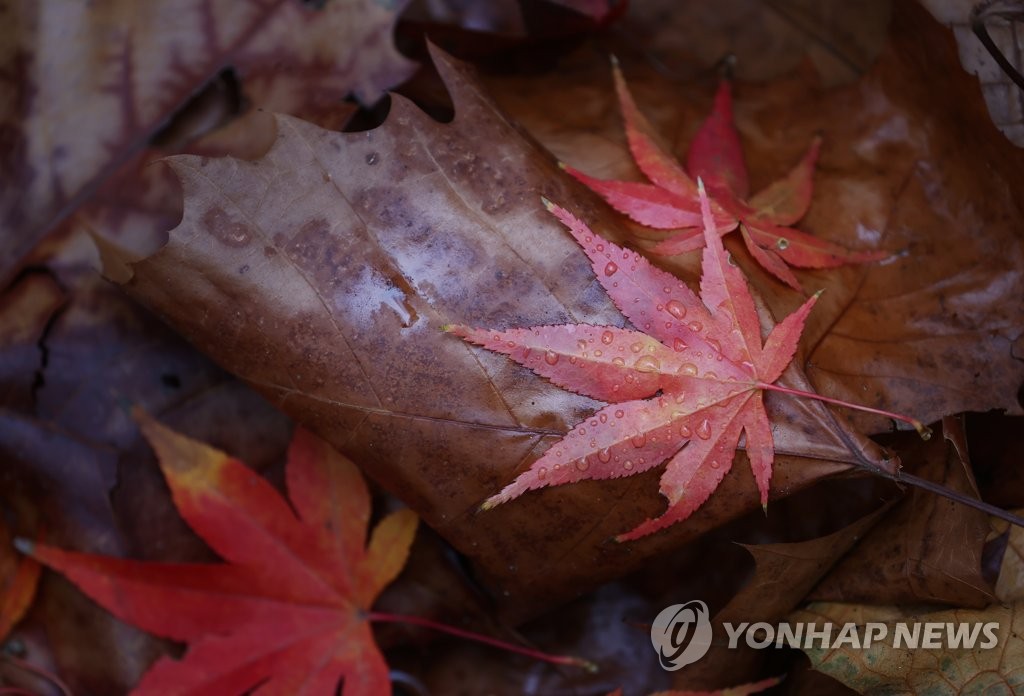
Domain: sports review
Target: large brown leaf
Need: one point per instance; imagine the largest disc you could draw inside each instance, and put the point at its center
(322, 273)
(908, 163)
(86, 86)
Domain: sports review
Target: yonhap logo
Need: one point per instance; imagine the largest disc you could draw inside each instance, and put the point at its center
(681, 634)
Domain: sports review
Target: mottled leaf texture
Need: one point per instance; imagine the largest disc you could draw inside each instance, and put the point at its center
(285, 613)
(944, 663)
(322, 273)
(716, 157)
(85, 86)
(702, 358)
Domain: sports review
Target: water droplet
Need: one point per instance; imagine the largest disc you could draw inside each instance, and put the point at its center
(510, 344)
(710, 375)
(604, 456)
(684, 430)
(695, 326)
(551, 357)
(638, 440)
(637, 347)
(572, 359)
(526, 353)
(676, 308)
(542, 472)
(582, 464)
(593, 423)
(715, 345)
(680, 397)
(620, 413)
(372, 158)
(627, 465)
(607, 337)
(598, 354)
(704, 429)
(600, 247)
(583, 431)
(688, 369)
(647, 363)
(679, 345)
(603, 417)
(714, 464)
(610, 268)
(782, 243)
(748, 366)
(581, 344)
(730, 260)
(618, 361)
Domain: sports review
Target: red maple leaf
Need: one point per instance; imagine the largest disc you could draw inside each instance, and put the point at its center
(701, 359)
(288, 612)
(671, 202)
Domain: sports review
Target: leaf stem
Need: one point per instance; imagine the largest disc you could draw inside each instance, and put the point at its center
(923, 430)
(481, 638)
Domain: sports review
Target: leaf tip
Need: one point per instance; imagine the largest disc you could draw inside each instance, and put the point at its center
(614, 60)
(923, 430)
(819, 293)
(487, 505)
(561, 165)
(25, 546)
(547, 203)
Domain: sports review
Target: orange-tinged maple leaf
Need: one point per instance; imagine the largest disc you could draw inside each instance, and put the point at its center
(288, 611)
(19, 577)
(671, 202)
(701, 358)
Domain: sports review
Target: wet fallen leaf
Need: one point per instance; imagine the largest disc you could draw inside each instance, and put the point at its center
(929, 549)
(704, 356)
(78, 104)
(287, 610)
(920, 171)
(783, 575)
(884, 669)
(372, 253)
(670, 202)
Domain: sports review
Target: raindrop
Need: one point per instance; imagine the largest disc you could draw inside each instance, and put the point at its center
(684, 430)
(610, 268)
(647, 363)
(695, 326)
(714, 464)
(782, 244)
(627, 465)
(666, 290)
(511, 344)
(676, 308)
(715, 345)
(688, 369)
(607, 337)
(604, 456)
(710, 375)
(551, 357)
(603, 417)
(637, 347)
(598, 354)
(542, 472)
(583, 431)
(638, 440)
(600, 247)
(618, 362)
(620, 413)
(679, 345)
(680, 397)
(704, 429)
(581, 344)
(582, 464)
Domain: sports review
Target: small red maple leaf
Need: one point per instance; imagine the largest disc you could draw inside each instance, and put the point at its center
(701, 359)
(288, 612)
(671, 201)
